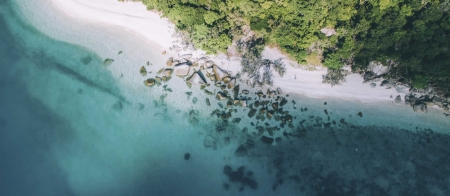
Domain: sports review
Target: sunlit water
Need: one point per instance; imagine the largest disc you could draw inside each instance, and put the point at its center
(71, 126)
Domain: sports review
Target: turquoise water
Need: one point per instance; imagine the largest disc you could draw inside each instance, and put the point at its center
(68, 127)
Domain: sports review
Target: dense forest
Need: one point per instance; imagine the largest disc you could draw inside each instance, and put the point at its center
(410, 36)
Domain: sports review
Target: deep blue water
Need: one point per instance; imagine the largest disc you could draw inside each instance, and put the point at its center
(26, 128)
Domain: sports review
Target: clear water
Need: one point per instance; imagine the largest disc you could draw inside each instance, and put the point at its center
(69, 127)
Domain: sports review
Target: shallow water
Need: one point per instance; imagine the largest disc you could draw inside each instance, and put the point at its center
(72, 126)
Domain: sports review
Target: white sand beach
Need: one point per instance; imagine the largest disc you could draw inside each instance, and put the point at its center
(107, 27)
(133, 17)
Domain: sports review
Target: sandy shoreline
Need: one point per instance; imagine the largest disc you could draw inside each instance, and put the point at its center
(133, 17)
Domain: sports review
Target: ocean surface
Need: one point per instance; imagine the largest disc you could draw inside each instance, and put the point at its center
(69, 125)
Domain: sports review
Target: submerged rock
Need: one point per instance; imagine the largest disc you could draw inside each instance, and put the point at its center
(267, 140)
(169, 61)
(188, 84)
(187, 156)
(141, 106)
(226, 186)
(167, 72)
(158, 80)
(283, 102)
(262, 111)
(236, 91)
(166, 78)
(241, 151)
(236, 120)
(193, 117)
(270, 114)
(257, 104)
(150, 82)
(208, 102)
(160, 71)
(118, 106)
(243, 102)
(221, 96)
(360, 114)
(86, 60)
(143, 71)
(275, 105)
(108, 62)
(208, 92)
(260, 94)
(252, 113)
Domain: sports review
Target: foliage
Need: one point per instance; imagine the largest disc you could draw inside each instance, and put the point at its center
(334, 76)
(415, 34)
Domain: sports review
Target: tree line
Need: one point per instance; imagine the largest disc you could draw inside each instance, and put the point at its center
(412, 36)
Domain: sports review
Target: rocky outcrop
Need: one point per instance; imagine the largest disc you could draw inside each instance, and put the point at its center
(438, 101)
(420, 107)
(328, 31)
(377, 68)
(398, 99)
(420, 101)
(374, 72)
(402, 88)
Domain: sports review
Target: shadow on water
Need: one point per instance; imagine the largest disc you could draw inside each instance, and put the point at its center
(47, 63)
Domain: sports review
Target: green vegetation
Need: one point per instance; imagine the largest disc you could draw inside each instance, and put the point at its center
(413, 33)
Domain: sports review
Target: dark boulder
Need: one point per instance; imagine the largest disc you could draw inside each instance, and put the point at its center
(267, 140)
(187, 156)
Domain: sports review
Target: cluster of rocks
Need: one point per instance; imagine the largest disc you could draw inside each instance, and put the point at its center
(239, 176)
(266, 113)
(421, 102)
(227, 86)
(418, 99)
